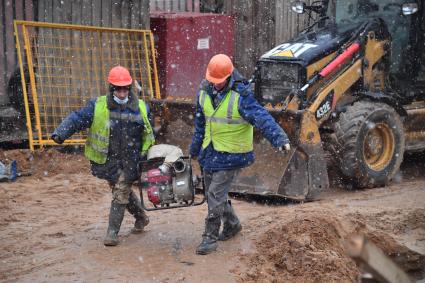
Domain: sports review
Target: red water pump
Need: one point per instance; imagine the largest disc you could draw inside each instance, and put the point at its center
(172, 186)
(160, 187)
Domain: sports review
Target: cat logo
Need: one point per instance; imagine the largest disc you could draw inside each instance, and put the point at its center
(289, 50)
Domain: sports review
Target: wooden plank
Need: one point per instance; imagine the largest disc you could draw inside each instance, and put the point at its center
(95, 43)
(280, 26)
(375, 261)
(58, 74)
(115, 38)
(106, 13)
(77, 68)
(3, 78)
(86, 9)
(40, 11)
(97, 13)
(49, 99)
(125, 14)
(86, 54)
(67, 12)
(144, 14)
(19, 9)
(116, 14)
(135, 15)
(76, 12)
(10, 47)
(139, 14)
(29, 10)
(67, 53)
(48, 10)
(105, 51)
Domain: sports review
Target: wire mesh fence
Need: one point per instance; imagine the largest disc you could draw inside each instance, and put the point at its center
(68, 65)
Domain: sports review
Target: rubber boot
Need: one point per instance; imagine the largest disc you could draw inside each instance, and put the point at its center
(135, 208)
(212, 227)
(116, 215)
(231, 223)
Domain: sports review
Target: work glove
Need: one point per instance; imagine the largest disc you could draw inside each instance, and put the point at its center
(57, 139)
(285, 147)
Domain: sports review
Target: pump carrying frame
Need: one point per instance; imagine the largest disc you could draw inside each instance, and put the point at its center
(199, 187)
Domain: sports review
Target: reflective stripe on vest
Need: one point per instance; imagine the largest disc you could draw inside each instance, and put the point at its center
(97, 143)
(224, 126)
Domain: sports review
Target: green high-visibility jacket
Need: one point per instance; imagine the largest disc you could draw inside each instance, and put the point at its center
(224, 126)
(97, 143)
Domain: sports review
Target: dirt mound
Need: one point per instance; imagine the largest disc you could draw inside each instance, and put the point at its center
(308, 250)
(311, 248)
(46, 162)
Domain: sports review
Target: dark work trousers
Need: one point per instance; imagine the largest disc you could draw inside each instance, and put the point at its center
(121, 190)
(220, 209)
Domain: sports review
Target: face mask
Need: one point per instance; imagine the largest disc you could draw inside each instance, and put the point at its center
(120, 101)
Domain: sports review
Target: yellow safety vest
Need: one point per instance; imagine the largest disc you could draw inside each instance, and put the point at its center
(224, 126)
(97, 143)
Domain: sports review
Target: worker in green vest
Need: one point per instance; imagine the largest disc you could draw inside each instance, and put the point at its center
(223, 142)
(120, 131)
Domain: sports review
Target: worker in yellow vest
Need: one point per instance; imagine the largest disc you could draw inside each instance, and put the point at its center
(120, 131)
(223, 142)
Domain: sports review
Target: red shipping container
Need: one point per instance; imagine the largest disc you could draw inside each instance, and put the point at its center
(185, 43)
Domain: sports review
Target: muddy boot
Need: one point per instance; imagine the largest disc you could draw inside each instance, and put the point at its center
(116, 215)
(210, 236)
(135, 208)
(231, 224)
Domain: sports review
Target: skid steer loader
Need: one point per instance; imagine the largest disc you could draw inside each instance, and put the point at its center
(352, 85)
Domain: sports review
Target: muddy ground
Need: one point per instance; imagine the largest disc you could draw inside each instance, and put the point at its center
(52, 224)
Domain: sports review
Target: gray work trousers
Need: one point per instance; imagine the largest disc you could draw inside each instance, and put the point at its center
(217, 185)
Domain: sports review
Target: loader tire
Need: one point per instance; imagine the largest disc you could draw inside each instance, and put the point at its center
(370, 143)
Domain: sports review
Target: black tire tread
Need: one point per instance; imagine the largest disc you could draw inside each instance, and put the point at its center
(346, 130)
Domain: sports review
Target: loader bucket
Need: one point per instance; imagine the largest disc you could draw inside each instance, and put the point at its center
(299, 174)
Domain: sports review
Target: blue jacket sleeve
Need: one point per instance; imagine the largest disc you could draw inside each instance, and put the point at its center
(198, 135)
(76, 121)
(260, 118)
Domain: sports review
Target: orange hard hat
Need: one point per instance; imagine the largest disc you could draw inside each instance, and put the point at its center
(119, 76)
(219, 69)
